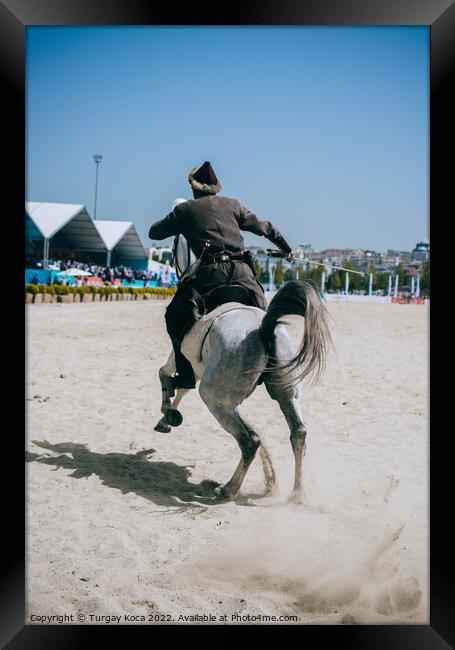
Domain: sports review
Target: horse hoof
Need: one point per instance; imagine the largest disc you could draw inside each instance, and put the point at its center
(207, 487)
(173, 417)
(162, 427)
(221, 494)
(295, 497)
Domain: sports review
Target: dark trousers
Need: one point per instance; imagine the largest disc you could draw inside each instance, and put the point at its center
(181, 314)
(186, 307)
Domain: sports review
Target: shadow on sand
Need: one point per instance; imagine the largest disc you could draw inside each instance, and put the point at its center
(164, 483)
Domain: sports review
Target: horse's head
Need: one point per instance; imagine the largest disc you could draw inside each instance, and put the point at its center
(183, 255)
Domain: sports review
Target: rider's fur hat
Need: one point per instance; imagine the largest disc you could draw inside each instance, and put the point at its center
(204, 179)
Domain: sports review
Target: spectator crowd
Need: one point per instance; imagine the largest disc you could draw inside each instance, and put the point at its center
(107, 273)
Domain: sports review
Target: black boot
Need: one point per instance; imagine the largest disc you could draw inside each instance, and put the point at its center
(184, 377)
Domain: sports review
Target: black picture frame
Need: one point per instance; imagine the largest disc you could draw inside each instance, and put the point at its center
(15, 16)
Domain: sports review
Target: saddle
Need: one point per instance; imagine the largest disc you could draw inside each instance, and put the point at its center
(226, 293)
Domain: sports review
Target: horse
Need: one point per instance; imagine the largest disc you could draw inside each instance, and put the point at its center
(238, 346)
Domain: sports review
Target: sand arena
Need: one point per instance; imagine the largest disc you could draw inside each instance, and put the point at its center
(114, 524)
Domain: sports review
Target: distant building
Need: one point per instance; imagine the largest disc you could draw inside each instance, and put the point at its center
(333, 252)
(303, 250)
(161, 254)
(421, 251)
(405, 255)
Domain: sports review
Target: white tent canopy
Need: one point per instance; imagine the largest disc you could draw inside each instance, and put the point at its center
(121, 236)
(69, 225)
(72, 221)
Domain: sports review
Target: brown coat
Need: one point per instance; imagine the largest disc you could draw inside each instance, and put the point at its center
(218, 220)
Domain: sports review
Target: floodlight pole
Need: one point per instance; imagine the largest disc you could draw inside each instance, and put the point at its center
(46, 253)
(97, 158)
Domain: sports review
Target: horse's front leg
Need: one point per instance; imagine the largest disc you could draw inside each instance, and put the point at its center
(171, 417)
(165, 373)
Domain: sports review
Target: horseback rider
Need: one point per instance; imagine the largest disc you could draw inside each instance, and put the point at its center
(211, 224)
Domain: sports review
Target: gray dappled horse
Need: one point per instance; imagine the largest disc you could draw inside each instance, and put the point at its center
(244, 346)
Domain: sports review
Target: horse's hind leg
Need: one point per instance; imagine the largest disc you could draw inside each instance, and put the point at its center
(269, 472)
(288, 402)
(291, 411)
(229, 417)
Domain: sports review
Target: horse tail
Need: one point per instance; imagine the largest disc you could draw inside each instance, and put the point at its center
(300, 297)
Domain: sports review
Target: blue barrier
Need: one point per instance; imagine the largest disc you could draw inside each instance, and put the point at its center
(43, 276)
(40, 277)
(140, 283)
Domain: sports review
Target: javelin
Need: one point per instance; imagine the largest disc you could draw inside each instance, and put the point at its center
(335, 267)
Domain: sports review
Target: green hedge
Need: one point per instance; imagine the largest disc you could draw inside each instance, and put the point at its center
(32, 288)
(104, 292)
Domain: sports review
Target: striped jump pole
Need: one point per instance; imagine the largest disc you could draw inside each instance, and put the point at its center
(389, 288)
(395, 292)
(418, 286)
(323, 281)
(412, 284)
(346, 286)
(370, 285)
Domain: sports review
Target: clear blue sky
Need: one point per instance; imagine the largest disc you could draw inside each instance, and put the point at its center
(321, 130)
